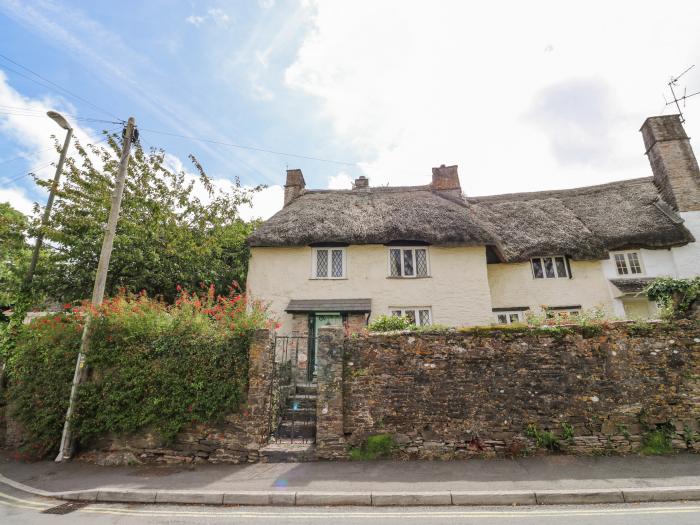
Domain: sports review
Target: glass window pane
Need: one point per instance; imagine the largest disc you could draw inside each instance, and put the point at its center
(322, 263)
(422, 263)
(396, 313)
(561, 266)
(411, 314)
(537, 268)
(514, 318)
(408, 262)
(621, 264)
(635, 266)
(337, 263)
(395, 262)
(549, 267)
(424, 317)
(502, 319)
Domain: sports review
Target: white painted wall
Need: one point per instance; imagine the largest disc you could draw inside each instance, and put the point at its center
(687, 258)
(457, 289)
(513, 285)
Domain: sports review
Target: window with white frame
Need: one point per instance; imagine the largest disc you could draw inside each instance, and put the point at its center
(628, 263)
(555, 267)
(562, 312)
(408, 262)
(509, 317)
(418, 315)
(328, 263)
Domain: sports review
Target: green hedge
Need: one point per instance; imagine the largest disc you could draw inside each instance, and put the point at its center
(150, 366)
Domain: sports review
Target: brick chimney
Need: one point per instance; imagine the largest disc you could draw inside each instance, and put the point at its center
(294, 186)
(361, 183)
(445, 178)
(673, 163)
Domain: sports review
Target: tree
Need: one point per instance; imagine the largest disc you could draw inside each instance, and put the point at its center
(14, 252)
(174, 228)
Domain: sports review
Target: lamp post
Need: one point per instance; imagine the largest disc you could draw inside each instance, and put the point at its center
(61, 121)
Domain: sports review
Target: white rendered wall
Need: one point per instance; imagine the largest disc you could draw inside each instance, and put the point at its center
(687, 258)
(457, 289)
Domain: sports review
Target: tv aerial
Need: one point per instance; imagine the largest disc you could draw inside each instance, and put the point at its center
(677, 100)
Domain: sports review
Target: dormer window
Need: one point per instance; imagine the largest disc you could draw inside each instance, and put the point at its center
(408, 262)
(328, 263)
(555, 267)
(628, 263)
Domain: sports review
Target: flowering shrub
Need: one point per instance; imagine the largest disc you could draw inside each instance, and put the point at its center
(150, 365)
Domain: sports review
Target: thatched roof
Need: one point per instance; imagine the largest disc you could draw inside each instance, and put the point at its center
(373, 216)
(583, 223)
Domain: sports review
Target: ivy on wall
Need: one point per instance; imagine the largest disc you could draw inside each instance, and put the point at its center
(675, 296)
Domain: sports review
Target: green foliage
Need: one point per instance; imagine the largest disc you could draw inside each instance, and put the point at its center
(567, 431)
(640, 328)
(375, 447)
(689, 436)
(675, 296)
(389, 323)
(151, 366)
(14, 253)
(173, 228)
(656, 443)
(542, 438)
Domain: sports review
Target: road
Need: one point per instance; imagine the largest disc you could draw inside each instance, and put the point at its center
(20, 508)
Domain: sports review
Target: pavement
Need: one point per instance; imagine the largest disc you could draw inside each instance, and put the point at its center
(543, 480)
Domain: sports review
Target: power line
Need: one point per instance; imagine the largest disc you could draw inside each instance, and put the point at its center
(27, 113)
(25, 156)
(68, 92)
(252, 148)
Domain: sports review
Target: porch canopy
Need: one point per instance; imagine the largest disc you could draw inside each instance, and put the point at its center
(329, 305)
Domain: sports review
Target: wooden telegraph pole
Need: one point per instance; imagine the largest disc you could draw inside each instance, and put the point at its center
(130, 134)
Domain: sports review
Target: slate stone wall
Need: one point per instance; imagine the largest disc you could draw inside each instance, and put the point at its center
(460, 395)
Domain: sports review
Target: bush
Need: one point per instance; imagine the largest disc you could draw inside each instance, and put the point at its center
(151, 365)
(375, 447)
(656, 443)
(389, 323)
(675, 296)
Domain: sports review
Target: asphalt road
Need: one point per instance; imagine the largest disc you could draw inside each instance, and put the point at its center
(20, 508)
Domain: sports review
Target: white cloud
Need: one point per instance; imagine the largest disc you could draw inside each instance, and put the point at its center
(195, 20)
(265, 203)
(341, 181)
(17, 199)
(520, 102)
(266, 4)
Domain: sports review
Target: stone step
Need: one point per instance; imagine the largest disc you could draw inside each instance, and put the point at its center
(300, 414)
(285, 451)
(306, 389)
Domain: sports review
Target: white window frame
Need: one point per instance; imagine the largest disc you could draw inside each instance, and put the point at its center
(626, 257)
(556, 311)
(544, 277)
(329, 249)
(415, 310)
(508, 314)
(413, 249)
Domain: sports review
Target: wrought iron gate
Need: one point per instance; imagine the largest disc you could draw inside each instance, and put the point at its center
(293, 393)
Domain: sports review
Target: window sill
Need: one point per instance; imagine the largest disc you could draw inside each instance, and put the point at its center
(409, 278)
(328, 278)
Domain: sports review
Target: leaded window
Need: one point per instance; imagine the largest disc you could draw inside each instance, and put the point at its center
(550, 267)
(628, 263)
(509, 317)
(329, 263)
(408, 262)
(420, 315)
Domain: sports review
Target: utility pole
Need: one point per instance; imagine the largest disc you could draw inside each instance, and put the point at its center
(58, 118)
(129, 135)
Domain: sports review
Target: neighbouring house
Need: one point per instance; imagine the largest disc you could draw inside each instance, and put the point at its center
(439, 257)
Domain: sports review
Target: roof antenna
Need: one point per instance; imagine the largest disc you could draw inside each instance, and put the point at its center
(674, 82)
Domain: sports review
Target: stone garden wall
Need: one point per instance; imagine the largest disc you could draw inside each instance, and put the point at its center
(583, 390)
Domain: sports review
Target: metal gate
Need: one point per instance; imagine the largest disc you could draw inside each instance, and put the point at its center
(293, 392)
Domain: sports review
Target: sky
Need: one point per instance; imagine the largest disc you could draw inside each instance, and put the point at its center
(522, 96)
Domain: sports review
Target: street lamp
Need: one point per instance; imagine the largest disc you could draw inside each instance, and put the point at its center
(61, 121)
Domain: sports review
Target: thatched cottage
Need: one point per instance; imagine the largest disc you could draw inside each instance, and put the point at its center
(429, 252)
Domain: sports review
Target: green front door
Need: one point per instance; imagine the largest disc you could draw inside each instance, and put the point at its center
(320, 320)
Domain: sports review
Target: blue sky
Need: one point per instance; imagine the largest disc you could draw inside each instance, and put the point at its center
(520, 97)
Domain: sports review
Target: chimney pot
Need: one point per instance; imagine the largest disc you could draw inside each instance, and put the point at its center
(361, 182)
(294, 186)
(445, 178)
